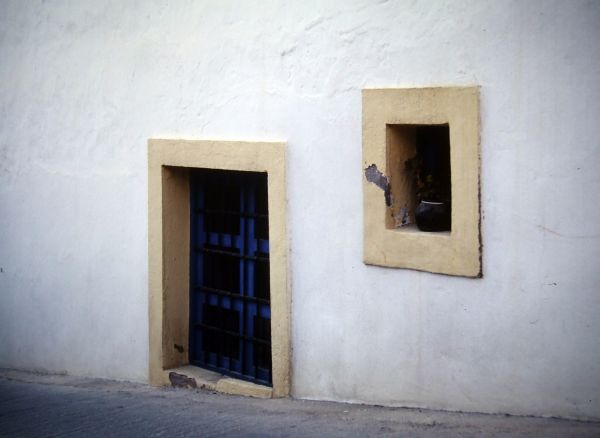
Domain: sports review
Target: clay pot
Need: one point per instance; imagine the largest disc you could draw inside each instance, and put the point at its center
(433, 216)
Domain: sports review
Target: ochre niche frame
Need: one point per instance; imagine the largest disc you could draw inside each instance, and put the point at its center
(387, 115)
(169, 162)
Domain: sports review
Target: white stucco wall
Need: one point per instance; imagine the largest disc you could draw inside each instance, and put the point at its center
(84, 84)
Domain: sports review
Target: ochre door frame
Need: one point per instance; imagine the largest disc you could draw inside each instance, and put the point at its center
(168, 246)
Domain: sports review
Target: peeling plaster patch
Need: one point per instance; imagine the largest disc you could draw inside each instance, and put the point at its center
(374, 176)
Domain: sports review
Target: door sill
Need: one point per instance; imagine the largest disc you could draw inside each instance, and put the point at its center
(190, 376)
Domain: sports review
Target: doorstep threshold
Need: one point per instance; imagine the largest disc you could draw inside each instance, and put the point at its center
(190, 376)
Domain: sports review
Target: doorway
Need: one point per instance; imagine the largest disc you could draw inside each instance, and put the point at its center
(238, 321)
(230, 312)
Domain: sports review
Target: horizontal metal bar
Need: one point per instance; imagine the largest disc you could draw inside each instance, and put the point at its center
(232, 295)
(230, 212)
(229, 253)
(230, 333)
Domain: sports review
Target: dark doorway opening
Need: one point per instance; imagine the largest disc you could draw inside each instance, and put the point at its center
(230, 314)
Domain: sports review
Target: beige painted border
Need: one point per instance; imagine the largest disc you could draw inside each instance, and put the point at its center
(168, 248)
(454, 253)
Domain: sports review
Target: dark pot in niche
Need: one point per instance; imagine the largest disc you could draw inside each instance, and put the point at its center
(433, 216)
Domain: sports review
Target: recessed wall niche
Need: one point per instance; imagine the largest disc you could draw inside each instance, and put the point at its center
(440, 127)
(418, 163)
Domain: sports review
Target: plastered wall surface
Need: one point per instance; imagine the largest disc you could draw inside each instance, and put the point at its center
(83, 85)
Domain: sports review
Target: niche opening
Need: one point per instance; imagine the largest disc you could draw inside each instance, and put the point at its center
(418, 166)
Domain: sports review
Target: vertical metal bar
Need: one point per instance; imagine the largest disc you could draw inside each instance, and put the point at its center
(243, 288)
(251, 250)
(217, 186)
(237, 304)
(200, 184)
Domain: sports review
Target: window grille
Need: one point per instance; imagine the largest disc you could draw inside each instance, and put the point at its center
(230, 314)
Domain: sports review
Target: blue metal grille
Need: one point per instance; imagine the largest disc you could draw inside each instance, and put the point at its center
(230, 313)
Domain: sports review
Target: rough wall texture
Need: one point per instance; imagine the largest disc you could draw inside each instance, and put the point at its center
(84, 84)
